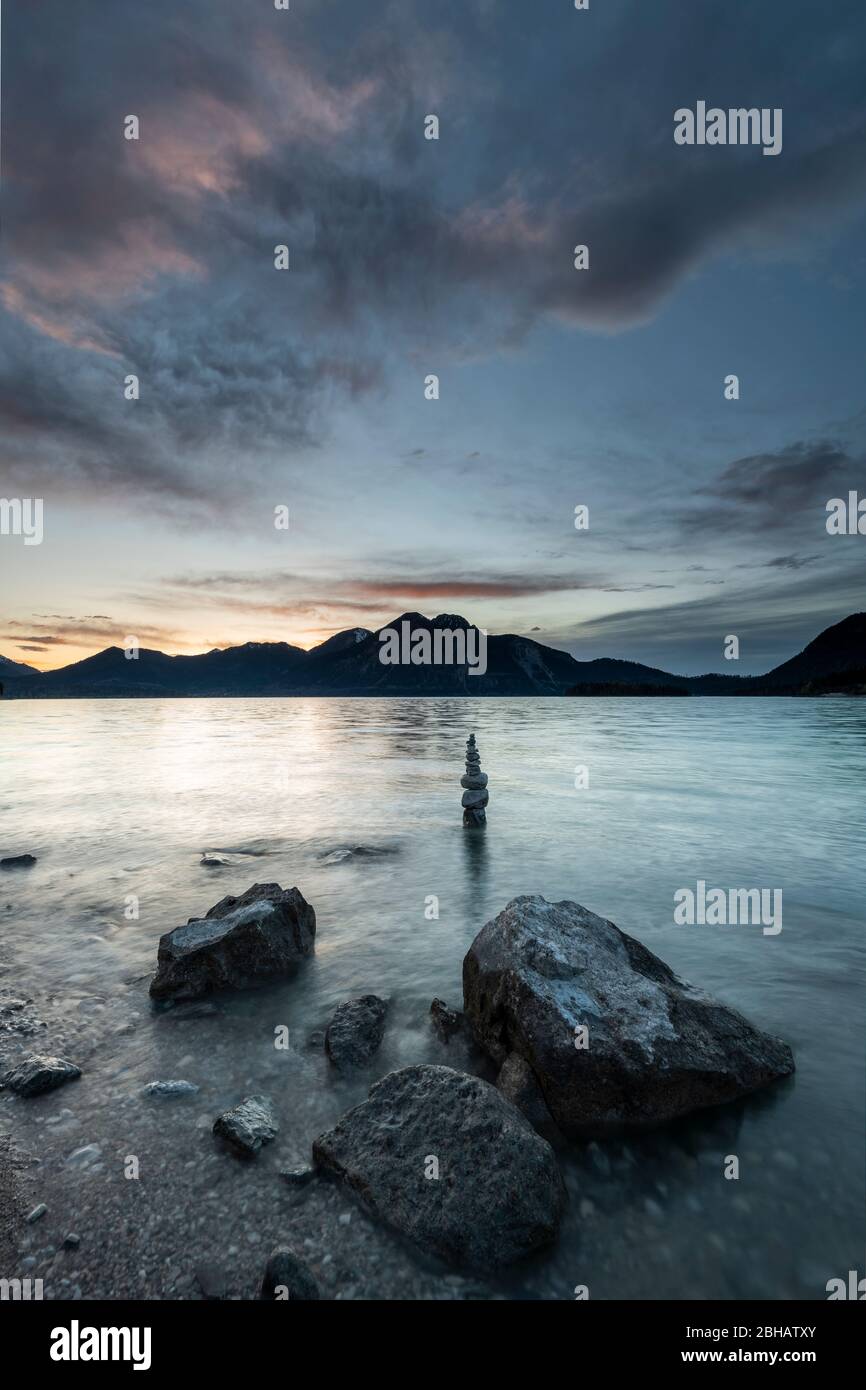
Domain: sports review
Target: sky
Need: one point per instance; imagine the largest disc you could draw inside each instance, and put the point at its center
(304, 388)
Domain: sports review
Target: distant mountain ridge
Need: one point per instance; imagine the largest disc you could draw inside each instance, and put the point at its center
(349, 664)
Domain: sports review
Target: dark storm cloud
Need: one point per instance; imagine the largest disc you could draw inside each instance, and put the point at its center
(259, 128)
(775, 491)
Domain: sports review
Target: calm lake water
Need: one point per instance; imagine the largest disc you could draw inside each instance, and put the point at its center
(120, 798)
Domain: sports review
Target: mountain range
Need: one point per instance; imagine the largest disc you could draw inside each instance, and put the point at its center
(349, 664)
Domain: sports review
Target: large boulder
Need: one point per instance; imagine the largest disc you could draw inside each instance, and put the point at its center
(355, 1032)
(444, 1159)
(655, 1047)
(242, 942)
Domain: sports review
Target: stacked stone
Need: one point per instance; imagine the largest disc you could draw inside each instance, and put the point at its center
(476, 795)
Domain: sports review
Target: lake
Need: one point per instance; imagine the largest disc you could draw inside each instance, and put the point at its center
(118, 799)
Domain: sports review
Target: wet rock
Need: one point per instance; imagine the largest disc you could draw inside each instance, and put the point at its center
(248, 1126)
(344, 854)
(245, 941)
(288, 1277)
(71, 1241)
(476, 796)
(297, 1177)
(442, 1157)
(355, 1032)
(36, 1214)
(517, 1082)
(18, 861)
(657, 1047)
(33, 1075)
(211, 860)
(170, 1090)
(446, 1022)
(183, 1013)
(86, 1157)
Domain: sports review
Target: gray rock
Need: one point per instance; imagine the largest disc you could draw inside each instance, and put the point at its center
(34, 1074)
(658, 1048)
(355, 1032)
(517, 1082)
(498, 1194)
(287, 1277)
(298, 1177)
(245, 941)
(473, 800)
(85, 1157)
(71, 1241)
(446, 1022)
(170, 1089)
(36, 1214)
(248, 1126)
(474, 781)
(18, 861)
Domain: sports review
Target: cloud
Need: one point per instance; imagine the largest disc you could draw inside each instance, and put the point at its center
(156, 257)
(772, 492)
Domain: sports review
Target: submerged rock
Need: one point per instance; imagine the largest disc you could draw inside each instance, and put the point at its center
(245, 941)
(248, 1126)
(655, 1047)
(298, 1177)
(443, 1158)
(288, 1277)
(18, 861)
(355, 1032)
(33, 1075)
(170, 1089)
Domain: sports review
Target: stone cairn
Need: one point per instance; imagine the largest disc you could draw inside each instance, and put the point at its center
(476, 795)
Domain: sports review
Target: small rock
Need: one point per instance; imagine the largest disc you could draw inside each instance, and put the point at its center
(517, 1082)
(71, 1241)
(85, 1157)
(248, 1126)
(36, 1213)
(297, 1177)
(170, 1089)
(446, 1022)
(18, 861)
(288, 1278)
(355, 1032)
(34, 1075)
